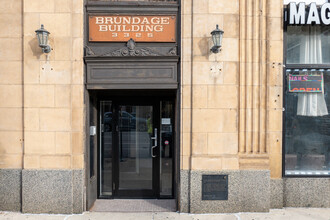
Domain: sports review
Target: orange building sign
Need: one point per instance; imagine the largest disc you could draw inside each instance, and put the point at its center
(121, 28)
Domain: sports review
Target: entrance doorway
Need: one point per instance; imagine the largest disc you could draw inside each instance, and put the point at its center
(136, 147)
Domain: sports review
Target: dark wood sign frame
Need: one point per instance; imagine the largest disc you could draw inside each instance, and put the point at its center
(155, 64)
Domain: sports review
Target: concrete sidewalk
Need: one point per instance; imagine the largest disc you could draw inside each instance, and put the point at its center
(278, 214)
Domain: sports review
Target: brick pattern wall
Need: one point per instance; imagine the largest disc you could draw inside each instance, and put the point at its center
(53, 85)
(11, 84)
(209, 97)
(232, 119)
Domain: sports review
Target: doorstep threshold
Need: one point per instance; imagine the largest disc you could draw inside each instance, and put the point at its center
(134, 205)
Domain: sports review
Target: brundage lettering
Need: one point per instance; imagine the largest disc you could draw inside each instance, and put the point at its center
(141, 28)
(132, 24)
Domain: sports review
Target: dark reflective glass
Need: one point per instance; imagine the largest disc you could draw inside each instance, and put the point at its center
(167, 149)
(106, 148)
(307, 130)
(308, 44)
(135, 160)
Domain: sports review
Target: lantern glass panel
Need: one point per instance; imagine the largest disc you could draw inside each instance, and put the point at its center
(39, 38)
(44, 38)
(217, 38)
(220, 39)
(214, 39)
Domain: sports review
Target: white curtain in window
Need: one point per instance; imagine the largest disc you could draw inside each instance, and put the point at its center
(311, 104)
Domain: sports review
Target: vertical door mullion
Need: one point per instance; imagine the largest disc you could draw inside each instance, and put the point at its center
(101, 144)
(115, 141)
(156, 160)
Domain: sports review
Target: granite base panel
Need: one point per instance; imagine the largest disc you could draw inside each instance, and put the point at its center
(248, 191)
(276, 193)
(10, 189)
(307, 192)
(78, 191)
(184, 191)
(52, 191)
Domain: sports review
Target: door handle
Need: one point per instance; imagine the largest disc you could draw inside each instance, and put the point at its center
(155, 143)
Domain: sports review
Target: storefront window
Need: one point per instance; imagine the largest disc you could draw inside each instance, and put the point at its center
(307, 101)
(308, 45)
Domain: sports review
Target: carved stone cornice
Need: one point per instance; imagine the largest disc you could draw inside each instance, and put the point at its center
(130, 50)
(172, 52)
(89, 51)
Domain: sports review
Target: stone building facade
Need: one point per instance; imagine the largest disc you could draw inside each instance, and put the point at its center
(227, 118)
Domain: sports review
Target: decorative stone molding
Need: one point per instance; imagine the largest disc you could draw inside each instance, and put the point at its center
(172, 52)
(131, 50)
(253, 78)
(89, 51)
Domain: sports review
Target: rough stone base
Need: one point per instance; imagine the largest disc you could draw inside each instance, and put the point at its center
(78, 191)
(248, 191)
(52, 191)
(276, 193)
(307, 192)
(10, 189)
(184, 191)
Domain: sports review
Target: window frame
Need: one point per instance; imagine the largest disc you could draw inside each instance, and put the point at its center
(285, 85)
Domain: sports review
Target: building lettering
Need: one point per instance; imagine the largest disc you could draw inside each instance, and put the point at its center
(300, 14)
(143, 28)
(132, 28)
(132, 24)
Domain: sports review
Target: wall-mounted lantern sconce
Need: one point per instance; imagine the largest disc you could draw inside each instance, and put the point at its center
(216, 38)
(42, 35)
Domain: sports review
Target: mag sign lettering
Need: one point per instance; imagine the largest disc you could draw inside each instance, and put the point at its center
(302, 14)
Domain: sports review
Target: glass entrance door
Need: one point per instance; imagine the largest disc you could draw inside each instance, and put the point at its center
(129, 150)
(138, 145)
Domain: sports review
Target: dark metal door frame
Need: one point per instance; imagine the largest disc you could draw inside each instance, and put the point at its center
(91, 151)
(135, 97)
(154, 193)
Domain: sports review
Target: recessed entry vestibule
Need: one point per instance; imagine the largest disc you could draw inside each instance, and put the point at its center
(132, 96)
(132, 144)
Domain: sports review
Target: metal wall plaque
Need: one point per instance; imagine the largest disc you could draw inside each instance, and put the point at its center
(214, 187)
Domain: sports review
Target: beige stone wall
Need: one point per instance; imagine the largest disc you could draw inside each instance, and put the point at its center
(52, 85)
(274, 86)
(232, 119)
(10, 84)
